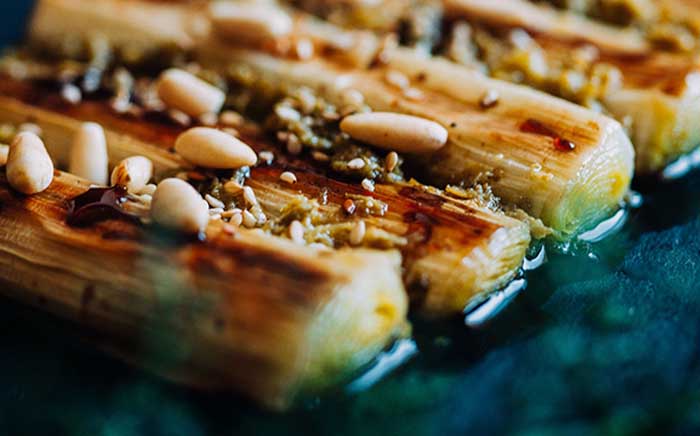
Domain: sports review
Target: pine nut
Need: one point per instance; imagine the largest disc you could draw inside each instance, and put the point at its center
(357, 234)
(88, 155)
(250, 23)
(177, 205)
(134, 173)
(29, 166)
(211, 148)
(397, 79)
(4, 150)
(356, 164)
(185, 92)
(394, 131)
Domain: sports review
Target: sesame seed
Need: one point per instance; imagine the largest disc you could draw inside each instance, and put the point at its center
(287, 113)
(30, 127)
(356, 164)
(249, 196)
(288, 177)
(293, 144)
(179, 117)
(232, 187)
(215, 217)
(489, 99)
(216, 211)
(397, 79)
(320, 156)
(249, 219)
(296, 232)
(307, 100)
(228, 213)
(414, 94)
(357, 234)
(214, 202)
(262, 218)
(229, 229)
(208, 119)
(349, 206)
(119, 105)
(304, 49)
(148, 189)
(71, 94)
(266, 156)
(352, 97)
(231, 118)
(368, 185)
(392, 159)
(231, 131)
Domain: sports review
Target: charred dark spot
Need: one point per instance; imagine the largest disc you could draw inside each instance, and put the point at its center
(421, 196)
(87, 297)
(219, 324)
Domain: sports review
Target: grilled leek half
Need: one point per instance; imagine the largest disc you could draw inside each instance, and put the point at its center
(512, 146)
(294, 320)
(657, 93)
(455, 251)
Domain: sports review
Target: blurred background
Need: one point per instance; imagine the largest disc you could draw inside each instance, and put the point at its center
(604, 342)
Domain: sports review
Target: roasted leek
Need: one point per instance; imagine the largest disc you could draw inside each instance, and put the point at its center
(455, 251)
(570, 190)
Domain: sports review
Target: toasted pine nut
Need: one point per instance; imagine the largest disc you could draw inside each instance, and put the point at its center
(4, 150)
(134, 173)
(29, 166)
(250, 23)
(185, 92)
(177, 205)
(211, 148)
(88, 155)
(394, 131)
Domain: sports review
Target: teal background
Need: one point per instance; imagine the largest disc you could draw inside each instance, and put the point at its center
(603, 343)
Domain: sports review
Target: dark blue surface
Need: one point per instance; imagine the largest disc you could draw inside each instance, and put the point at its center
(13, 17)
(592, 347)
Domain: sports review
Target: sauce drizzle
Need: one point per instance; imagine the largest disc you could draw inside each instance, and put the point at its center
(533, 126)
(98, 204)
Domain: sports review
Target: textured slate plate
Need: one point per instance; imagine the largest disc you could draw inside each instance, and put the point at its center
(597, 345)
